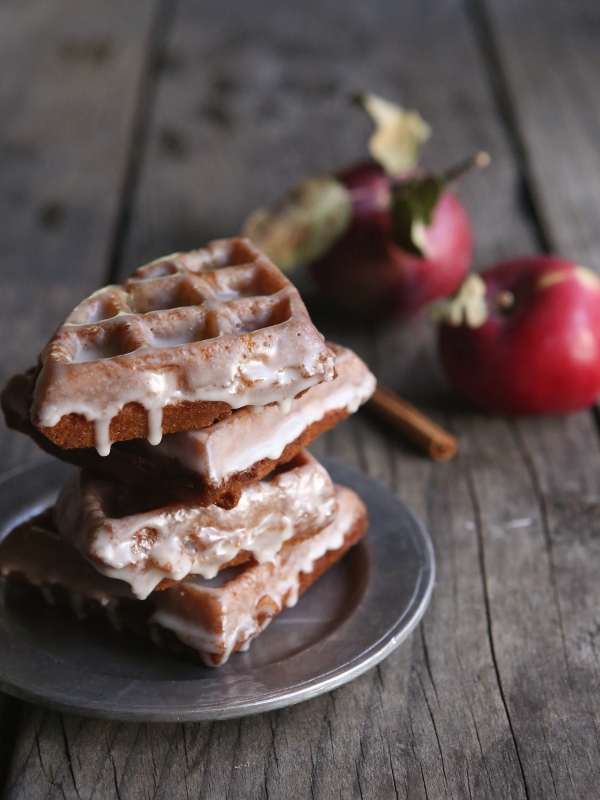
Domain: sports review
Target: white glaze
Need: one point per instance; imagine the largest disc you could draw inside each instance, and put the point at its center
(251, 434)
(210, 616)
(248, 602)
(251, 351)
(171, 543)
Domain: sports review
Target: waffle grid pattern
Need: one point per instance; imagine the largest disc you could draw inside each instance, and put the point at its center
(193, 334)
(178, 300)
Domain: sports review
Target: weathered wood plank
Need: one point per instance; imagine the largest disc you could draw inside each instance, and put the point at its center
(69, 97)
(68, 112)
(549, 63)
(431, 722)
(248, 103)
(548, 705)
(563, 460)
(252, 102)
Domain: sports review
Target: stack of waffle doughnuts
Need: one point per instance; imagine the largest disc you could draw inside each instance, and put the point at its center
(186, 396)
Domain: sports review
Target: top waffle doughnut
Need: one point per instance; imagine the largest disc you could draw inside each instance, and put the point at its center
(176, 346)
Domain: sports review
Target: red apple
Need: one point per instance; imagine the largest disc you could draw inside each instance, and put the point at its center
(369, 189)
(368, 272)
(381, 238)
(538, 349)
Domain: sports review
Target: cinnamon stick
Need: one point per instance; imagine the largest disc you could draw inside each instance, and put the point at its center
(410, 422)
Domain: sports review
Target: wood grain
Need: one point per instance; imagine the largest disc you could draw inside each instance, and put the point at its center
(554, 574)
(68, 111)
(238, 117)
(555, 112)
(251, 102)
(496, 694)
(546, 702)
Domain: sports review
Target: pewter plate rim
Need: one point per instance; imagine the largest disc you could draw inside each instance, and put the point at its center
(392, 602)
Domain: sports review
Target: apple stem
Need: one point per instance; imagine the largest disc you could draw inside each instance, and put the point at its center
(478, 160)
(505, 300)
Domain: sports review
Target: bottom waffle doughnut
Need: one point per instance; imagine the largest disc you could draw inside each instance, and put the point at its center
(209, 618)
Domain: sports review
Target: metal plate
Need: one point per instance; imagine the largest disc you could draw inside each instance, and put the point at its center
(347, 622)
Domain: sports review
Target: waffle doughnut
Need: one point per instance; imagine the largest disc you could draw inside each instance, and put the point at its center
(211, 619)
(211, 465)
(176, 346)
(124, 534)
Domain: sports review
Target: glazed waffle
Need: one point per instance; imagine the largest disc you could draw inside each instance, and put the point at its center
(179, 344)
(202, 465)
(124, 535)
(212, 619)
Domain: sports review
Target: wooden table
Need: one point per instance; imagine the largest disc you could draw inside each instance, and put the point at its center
(132, 129)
